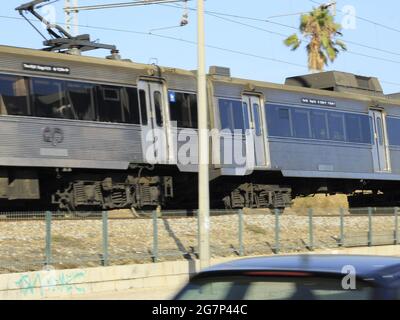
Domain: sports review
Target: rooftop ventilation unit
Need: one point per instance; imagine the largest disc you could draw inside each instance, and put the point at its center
(339, 82)
(220, 71)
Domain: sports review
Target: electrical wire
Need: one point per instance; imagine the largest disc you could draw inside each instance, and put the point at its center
(215, 14)
(364, 19)
(238, 52)
(284, 36)
(46, 4)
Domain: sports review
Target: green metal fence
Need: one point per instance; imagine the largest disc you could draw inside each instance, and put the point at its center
(81, 239)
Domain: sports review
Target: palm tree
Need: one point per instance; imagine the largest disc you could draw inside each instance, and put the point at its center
(321, 30)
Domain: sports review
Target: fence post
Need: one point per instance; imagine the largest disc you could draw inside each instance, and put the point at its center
(48, 238)
(341, 243)
(105, 238)
(277, 227)
(396, 226)
(310, 230)
(155, 236)
(369, 226)
(241, 248)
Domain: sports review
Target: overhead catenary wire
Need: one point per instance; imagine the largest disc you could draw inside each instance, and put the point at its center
(121, 5)
(267, 20)
(218, 14)
(170, 3)
(47, 4)
(191, 42)
(184, 20)
(172, 38)
(222, 14)
(283, 35)
(165, 28)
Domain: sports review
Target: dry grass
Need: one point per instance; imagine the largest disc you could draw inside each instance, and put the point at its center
(256, 229)
(66, 241)
(321, 203)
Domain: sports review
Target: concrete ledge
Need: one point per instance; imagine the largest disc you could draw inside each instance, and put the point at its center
(75, 282)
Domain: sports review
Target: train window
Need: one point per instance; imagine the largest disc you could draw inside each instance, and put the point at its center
(325, 125)
(50, 100)
(336, 126)
(193, 110)
(131, 106)
(109, 104)
(183, 110)
(246, 115)
(111, 94)
(380, 131)
(353, 128)
(13, 96)
(366, 129)
(319, 126)
(143, 106)
(179, 110)
(158, 108)
(301, 123)
(225, 114)
(393, 130)
(233, 115)
(240, 116)
(81, 98)
(278, 120)
(246, 123)
(358, 128)
(257, 118)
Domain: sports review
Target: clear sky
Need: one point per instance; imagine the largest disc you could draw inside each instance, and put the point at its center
(371, 36)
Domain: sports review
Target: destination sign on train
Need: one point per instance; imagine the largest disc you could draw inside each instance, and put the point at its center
(318, 102)
(45, 68)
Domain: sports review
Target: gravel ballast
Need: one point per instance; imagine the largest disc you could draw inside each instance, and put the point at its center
(78, 243)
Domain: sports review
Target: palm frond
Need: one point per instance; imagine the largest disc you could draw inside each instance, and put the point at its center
(293, 41)
(341, 44)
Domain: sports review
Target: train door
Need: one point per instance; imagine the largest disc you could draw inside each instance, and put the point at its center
(253, 105)
(155, 132)
(379, 147)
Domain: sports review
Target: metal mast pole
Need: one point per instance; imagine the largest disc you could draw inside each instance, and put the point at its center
(71, 17)
(68, 15)
(75, 19)
(204, 201)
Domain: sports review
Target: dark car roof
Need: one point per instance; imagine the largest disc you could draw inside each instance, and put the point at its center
(365, 266)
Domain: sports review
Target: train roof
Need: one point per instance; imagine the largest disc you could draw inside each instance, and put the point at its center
(253, 84)
(393, 95)
(124, 63)
(250, 85)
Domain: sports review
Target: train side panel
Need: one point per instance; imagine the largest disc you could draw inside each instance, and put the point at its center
(35, 142)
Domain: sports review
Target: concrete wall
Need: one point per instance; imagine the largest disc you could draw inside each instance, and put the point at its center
(164, 275)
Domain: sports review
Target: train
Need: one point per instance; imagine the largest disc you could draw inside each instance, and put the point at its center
(90, 133)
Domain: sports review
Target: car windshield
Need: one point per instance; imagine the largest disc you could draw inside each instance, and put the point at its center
(273, 288)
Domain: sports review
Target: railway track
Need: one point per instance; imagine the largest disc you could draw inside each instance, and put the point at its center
(41, 216)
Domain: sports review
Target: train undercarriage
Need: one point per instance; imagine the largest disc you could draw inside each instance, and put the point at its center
(146, 187)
